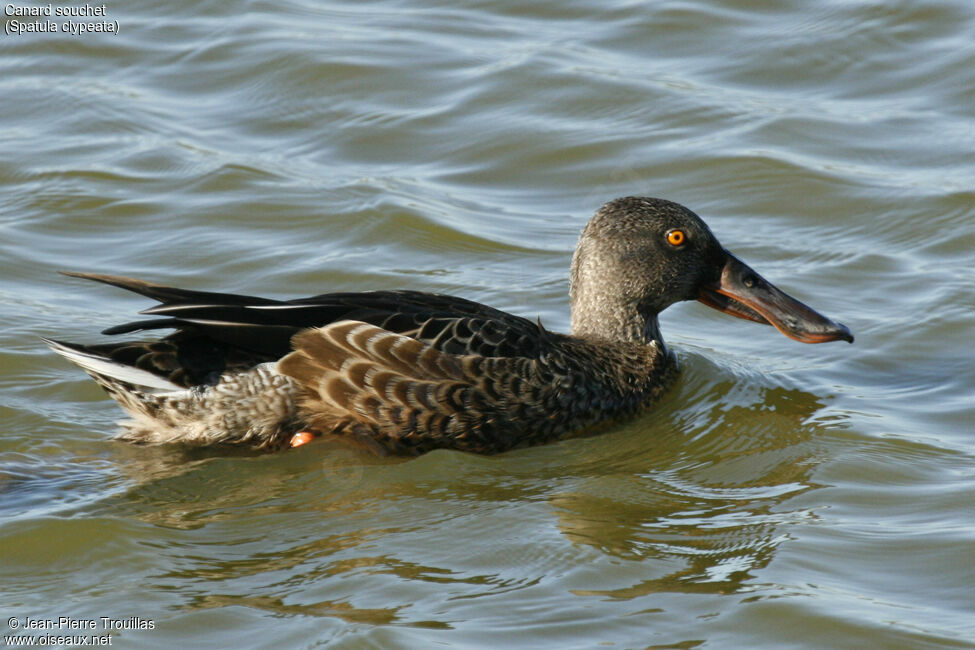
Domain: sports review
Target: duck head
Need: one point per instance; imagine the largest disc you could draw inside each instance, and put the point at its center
(637, 256)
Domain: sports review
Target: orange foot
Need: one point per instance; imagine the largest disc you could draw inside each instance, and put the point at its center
(301, 438)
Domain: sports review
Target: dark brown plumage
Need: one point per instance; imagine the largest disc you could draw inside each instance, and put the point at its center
(407, 372)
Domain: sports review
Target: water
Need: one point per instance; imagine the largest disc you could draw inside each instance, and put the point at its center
(781, 496)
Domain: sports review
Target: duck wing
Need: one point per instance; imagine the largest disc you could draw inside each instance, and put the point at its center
(405, 395)
(216, 332)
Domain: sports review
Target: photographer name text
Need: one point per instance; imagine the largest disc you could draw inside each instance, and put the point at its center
(69, 623)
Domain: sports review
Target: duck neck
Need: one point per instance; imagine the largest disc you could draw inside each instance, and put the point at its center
(606, 304)
(594, 316)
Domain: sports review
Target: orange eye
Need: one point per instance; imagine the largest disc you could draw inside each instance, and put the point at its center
(676, 237)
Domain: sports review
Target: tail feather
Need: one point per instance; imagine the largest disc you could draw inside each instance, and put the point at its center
(169, 295)
(105, 371)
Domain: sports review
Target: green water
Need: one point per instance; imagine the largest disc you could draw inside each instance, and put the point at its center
(782, 495)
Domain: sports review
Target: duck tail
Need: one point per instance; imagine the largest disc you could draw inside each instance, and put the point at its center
(108, 373)
(137, 391)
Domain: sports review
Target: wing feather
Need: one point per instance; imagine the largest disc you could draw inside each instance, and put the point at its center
(358, 377)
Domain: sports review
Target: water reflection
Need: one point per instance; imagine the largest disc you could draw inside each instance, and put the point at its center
(709, 511)
(186, 488)
(338, 609)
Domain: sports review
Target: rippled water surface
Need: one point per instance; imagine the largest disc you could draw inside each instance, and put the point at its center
(782, 495)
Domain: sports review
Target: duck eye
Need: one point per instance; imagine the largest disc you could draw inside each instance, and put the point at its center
(676, 237)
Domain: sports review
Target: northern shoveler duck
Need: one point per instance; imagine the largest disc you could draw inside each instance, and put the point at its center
(407, 372)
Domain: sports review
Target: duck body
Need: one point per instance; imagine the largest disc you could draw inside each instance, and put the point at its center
(408, 372)
(404, 372)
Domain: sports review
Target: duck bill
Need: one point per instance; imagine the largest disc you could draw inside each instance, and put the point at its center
(743, 293)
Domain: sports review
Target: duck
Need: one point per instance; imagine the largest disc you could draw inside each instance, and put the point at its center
(407, 372)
